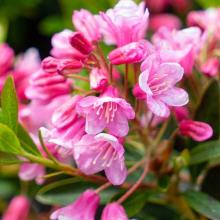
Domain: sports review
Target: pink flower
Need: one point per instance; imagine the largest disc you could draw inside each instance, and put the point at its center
(67, 126)
(178, 46)
(114, 211)
(125, 23)
(98, 79)
(87, 24)
(32, 171)
(158, 81)
(26, 65)
(6, 58)
(168, 20)
(198, 131)
(211, 67)
(107, 111)
(139, 93)
(130, 53)
(45, 86)
(18, 209)
(84, 208)
(94, 153)
(62, 47)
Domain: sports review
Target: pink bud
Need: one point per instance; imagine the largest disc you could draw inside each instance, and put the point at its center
(98, 79)
(79, 42)
(198, 131)
(69, 66)
(139, 93)
(18, 209)
(168, 20)
(49, 64)
(114, 211)
(130, 53)
(86, 23)
(181, 113)
(211, 67)
(157, 6)
(84, 208)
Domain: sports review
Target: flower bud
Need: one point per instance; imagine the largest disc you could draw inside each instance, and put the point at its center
(131, 53)
(114, 211)
(18, 209)
(138, 92)
(211, 67)
(69, 66)
(49, 64)
(198, 131)
(79, 42)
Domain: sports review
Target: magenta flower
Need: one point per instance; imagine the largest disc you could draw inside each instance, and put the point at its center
(84, 208)
(94, 153)
(87, 24)
(67, 126)
(18, 209)
(198, 131)
(131, 53)
(98, 79)
(107, 111)
(178, 46)
(158, 81)
(44, 86)
(114, 211)
(125, 23)
(32, 171)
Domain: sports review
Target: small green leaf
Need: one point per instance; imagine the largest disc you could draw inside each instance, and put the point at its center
(209, 3)
(26, 141)
(203, 204)
(9, 104)
(205, 152)
(8, 159)
(9, 143)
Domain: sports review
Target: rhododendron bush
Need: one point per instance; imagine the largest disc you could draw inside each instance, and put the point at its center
(120, 121)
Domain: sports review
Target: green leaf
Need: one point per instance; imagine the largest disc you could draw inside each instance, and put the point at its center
(8, 159)
(66, 191)
(203, 204)
(9, 143)
(209, 108)
(209, 3)
(26, 141)
(9, 104)
(205, 152)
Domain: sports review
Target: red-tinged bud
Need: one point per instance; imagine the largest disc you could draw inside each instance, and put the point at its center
(211, 67)
(198, 131)
(79, 42)
(130, 53)
(98, 79)
(69, 66)
(50, 64)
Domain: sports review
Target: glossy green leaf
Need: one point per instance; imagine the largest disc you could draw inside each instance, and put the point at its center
(9, 104)
(205, 152)
(26, 141)
(203, 204)
(9, 143)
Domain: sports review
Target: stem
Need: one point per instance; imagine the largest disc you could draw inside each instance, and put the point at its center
(75, 76)
(110, 72)
(161, 133)
(136, 185)
(52, 174)
(126, 81)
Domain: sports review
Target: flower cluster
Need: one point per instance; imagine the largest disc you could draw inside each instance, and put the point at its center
(83, 100)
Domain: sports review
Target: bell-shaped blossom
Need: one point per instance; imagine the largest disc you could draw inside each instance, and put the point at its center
(62, 47)
(114, 211)
(178, 46)
(67, 126)
(32, 171)
(98, 79)
(94, 153)
(46, 86)
(211, 67)
(87, 24)
(168, 20)
(6, 58)
(131, 53)
(107, 111)
(125, 23)
(26, 65)
(197, 130)
(18, 209)
(158, 81)
(207, 20)
(84, 208)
